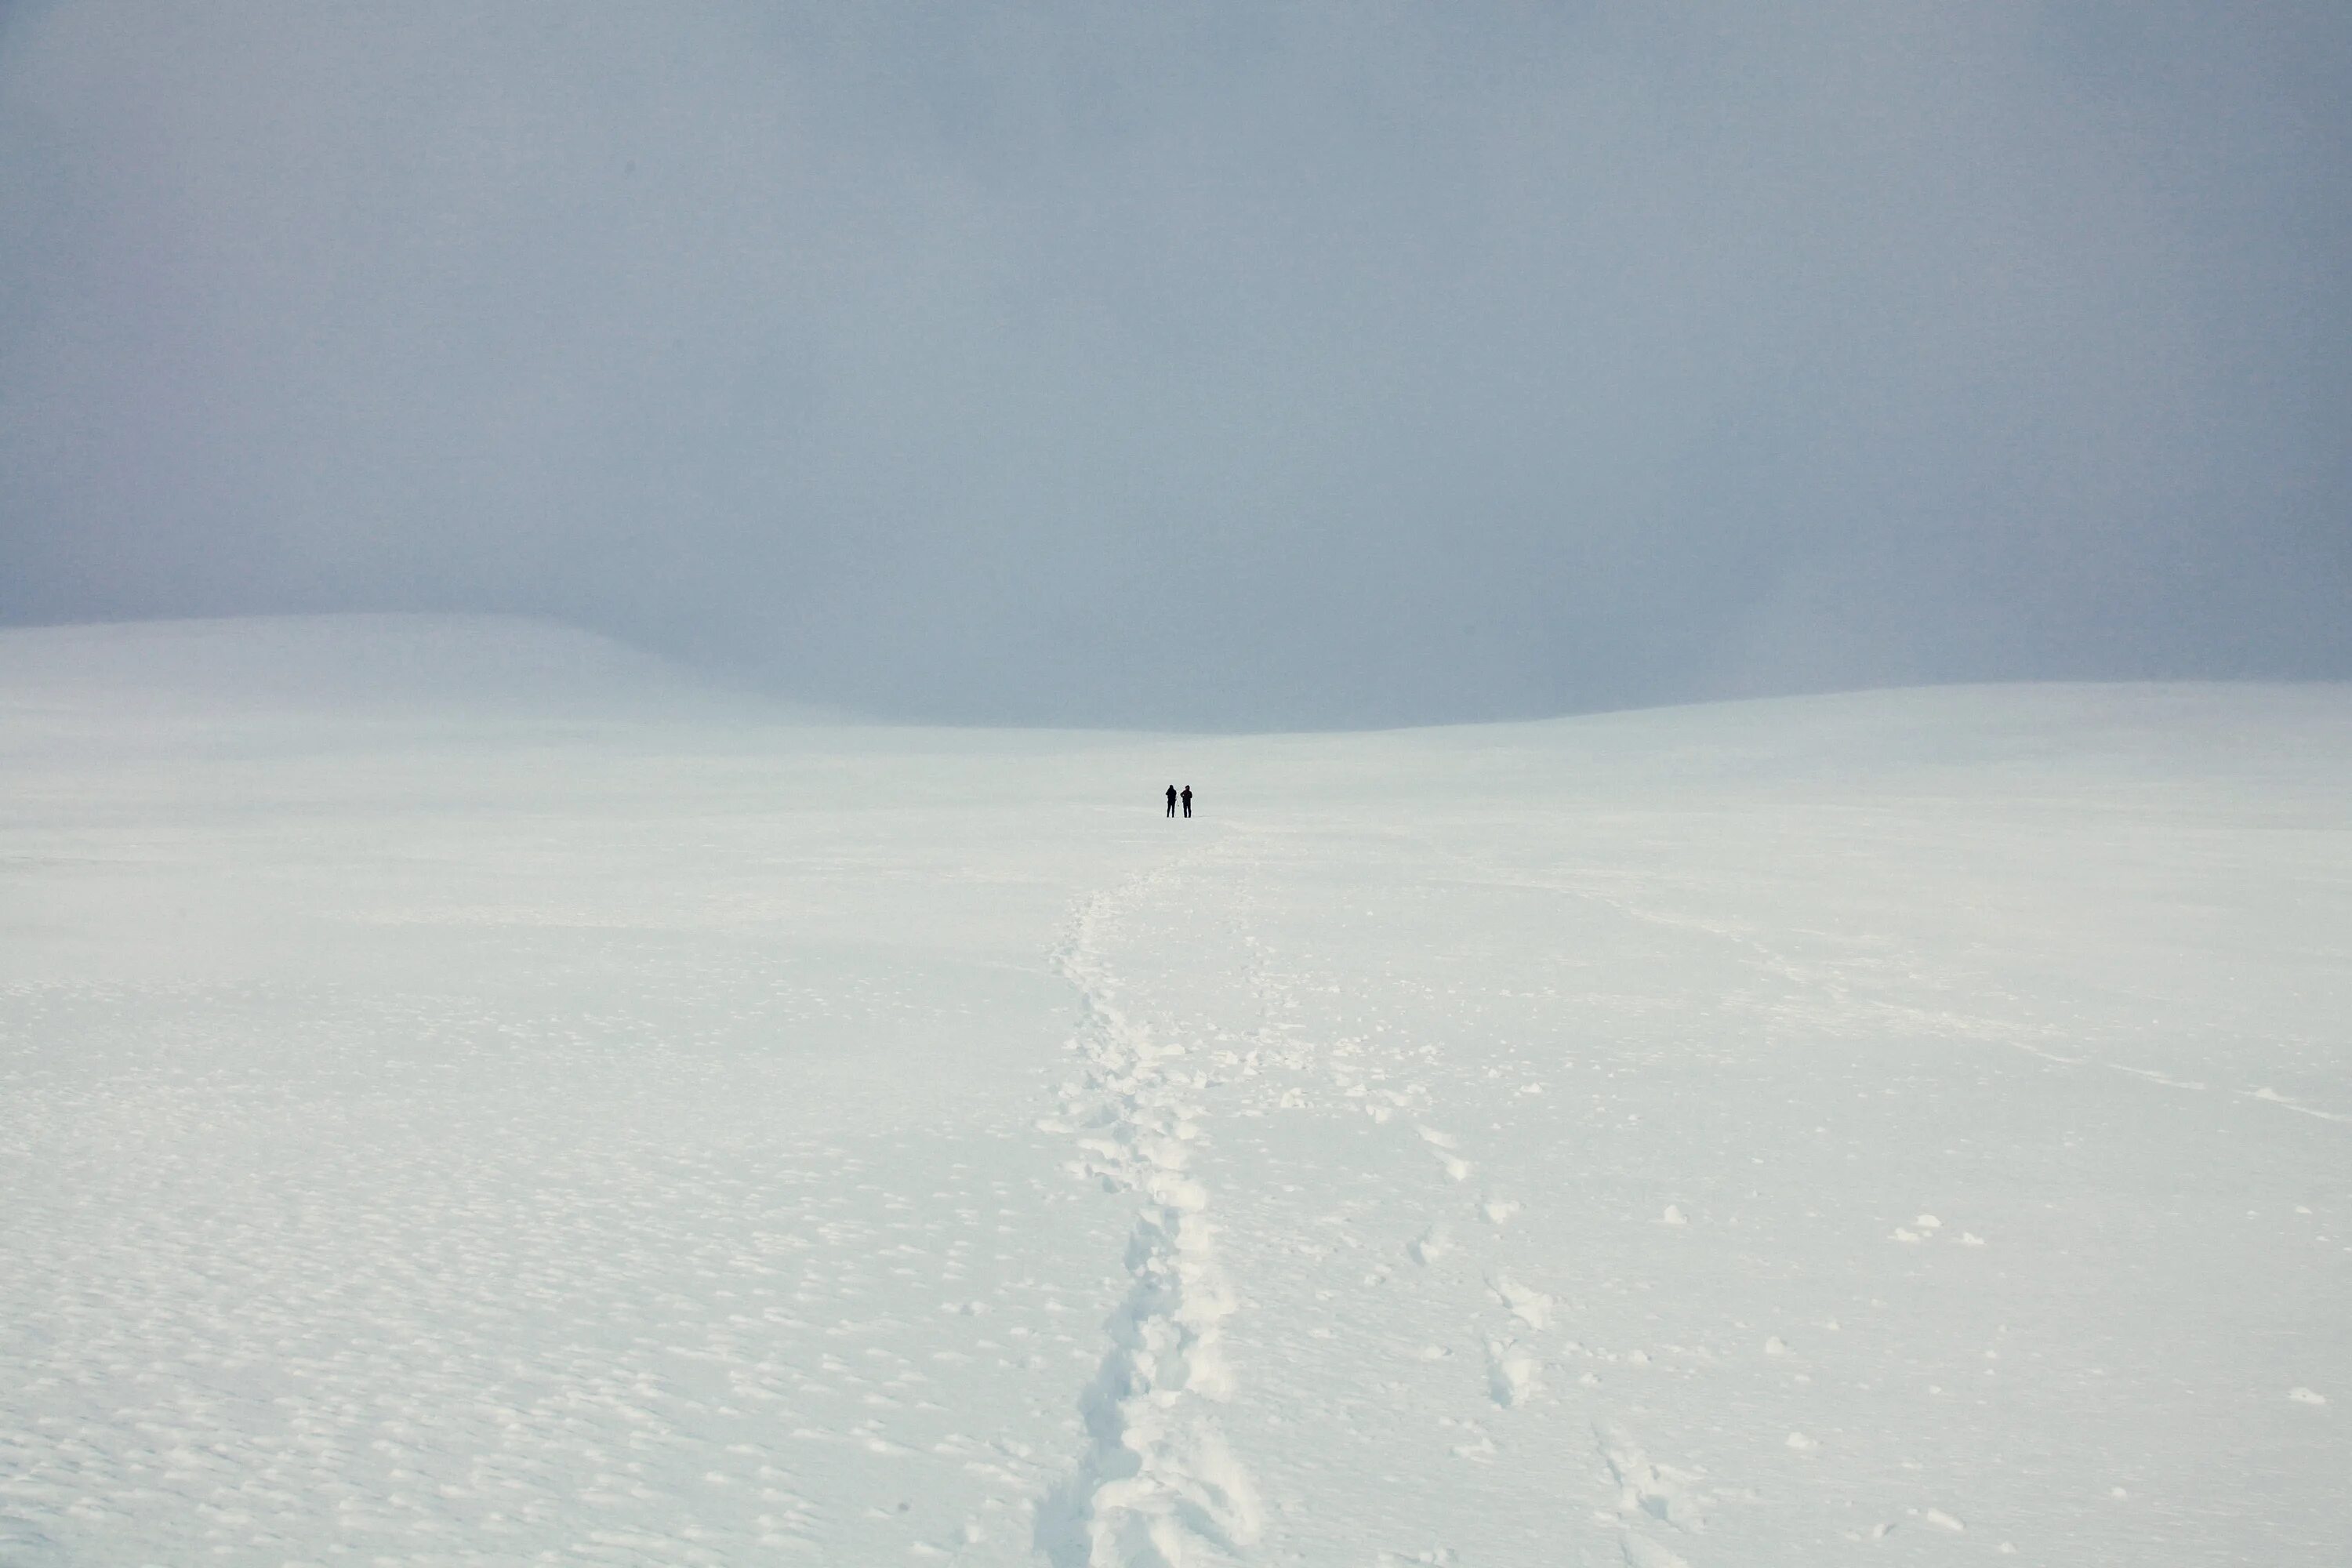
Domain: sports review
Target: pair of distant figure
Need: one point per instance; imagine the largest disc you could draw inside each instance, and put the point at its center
(1173, 797)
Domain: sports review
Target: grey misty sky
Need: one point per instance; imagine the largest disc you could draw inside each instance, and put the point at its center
(1219, 365)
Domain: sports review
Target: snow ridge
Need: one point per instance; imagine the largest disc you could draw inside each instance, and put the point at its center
(1156, 1486)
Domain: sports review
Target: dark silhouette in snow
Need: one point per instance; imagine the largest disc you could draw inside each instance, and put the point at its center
(1188, 800)
(1171, 800)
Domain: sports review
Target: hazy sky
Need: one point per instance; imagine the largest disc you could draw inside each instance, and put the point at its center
(1237, 365)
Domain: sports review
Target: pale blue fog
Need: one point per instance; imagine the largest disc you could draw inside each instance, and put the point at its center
(1232, 365)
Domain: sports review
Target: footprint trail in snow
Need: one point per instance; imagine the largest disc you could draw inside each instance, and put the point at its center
(1157, 1483)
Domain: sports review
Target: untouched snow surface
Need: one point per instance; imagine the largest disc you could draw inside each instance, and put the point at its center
(1911, 1127)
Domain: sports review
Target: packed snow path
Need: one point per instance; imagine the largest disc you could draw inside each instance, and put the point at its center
(1156, 1477)
(1901, 1128)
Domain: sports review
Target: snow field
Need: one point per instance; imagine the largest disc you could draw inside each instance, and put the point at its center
(1908, 1127)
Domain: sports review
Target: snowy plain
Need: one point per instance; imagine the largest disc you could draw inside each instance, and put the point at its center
(467, 1096)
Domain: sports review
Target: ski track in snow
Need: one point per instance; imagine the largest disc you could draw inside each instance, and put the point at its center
(1157, 1483)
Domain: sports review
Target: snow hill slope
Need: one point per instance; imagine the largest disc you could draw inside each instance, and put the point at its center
(378, 667)
(1910, 1127)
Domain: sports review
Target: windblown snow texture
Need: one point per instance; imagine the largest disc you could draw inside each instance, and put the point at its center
(446, 1117)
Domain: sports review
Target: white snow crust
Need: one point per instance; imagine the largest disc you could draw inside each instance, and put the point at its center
(465, 1098)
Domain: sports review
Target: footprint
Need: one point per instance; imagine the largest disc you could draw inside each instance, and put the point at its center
(1497, 1210)
(1647, 1489)
(1429, 1245)
(1532, 1308)
(1443, 1144)
(1476, 1446)
(1511, 1374)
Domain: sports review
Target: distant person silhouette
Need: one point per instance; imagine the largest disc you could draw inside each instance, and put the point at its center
(1188, 800)
(1171, 803)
